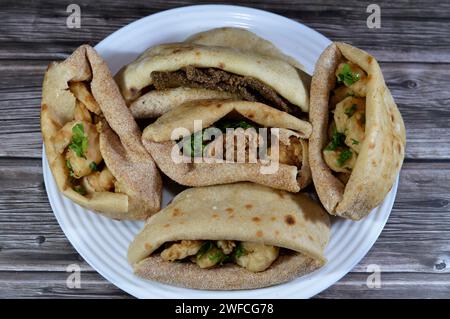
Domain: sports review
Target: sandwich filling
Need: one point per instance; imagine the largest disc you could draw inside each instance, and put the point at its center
(347, 127)
(254, 257)
(246, 142)
(247, 88)
(78, 140)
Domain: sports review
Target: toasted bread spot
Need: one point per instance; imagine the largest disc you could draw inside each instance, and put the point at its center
(248, 206)
(221, 65)
(256, 219)
(166, 225)
(289, 219)
(229, 210)
(273, 218)
(369, 59)
(197, 53)
(259, 233)
(371, 145)
(251, 115)
(281, 194)
(219, 105)
(310, 237)
(374, 163)
(44, 107)
(148, 246)
(215, 216)
(176, 212)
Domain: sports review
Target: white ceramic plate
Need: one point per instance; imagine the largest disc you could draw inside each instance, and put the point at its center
(103, 242)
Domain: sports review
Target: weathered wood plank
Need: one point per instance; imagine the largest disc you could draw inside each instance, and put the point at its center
(421, 91)
(410, 30)
(416, 237)
(53, 285)
(393, 285)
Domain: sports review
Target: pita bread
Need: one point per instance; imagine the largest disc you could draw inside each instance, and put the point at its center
(382, 150)
(241, 212)
(120, 138)
(158, 141)
(275, 73)
(243, 40)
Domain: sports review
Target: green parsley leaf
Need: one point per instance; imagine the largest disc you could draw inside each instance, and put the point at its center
(347, 76)
(79, 142)
(355, 142)
(204, 249)
(344, 157)
(224, 124)
(350, 110)
(69, 166)
(337, 139)
(239, 251)
(80, 190)
(218, 256)
(93, 166)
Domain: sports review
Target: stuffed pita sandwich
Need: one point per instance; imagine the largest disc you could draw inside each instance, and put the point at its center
(357, 143)
(92, 142)
(227, 237)
(210, 83)
(235, 141)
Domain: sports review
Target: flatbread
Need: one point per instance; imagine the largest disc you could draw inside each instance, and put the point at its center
(119, 134)
(243, 40)
(155, 103)
(242, 212)
(382, 150)
(157, 139)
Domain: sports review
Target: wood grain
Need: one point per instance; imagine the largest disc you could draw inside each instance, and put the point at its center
(421, 92)
(412, 242)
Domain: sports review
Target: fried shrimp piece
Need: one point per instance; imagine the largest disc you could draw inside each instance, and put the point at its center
(181, 250)
(227, 246)
(99, 181)
(257, 257)
(81, 164)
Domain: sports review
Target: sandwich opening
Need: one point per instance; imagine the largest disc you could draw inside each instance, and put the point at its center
(347, 119)
(252, 256)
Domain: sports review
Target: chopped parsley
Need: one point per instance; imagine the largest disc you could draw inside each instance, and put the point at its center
(217, 256)
(224, 124)
(346, 75)
(93, 166)
(204, 249)
(354, 142)
(350, 110)
(337, 139)
(79, 189)
(194, 145)
(344, 156)
(79, 141)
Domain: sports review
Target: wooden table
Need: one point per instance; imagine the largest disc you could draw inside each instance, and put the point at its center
(413, 46)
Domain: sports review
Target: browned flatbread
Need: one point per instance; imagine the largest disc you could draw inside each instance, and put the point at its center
(242, 212)
(382, 150)
(120, 138)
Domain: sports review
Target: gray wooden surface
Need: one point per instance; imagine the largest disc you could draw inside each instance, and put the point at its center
(413, 46)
